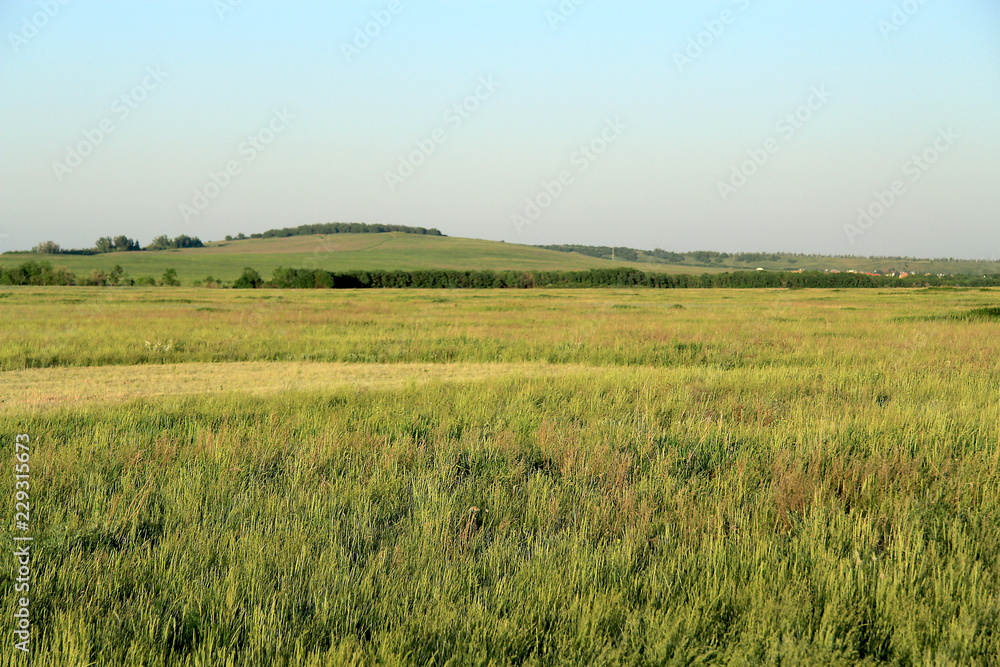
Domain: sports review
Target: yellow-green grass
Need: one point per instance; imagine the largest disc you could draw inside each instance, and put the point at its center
(46, 388)
(581, 477)
(336, 252)
(718, 328)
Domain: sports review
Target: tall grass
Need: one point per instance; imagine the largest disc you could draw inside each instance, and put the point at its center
(835, 499)
(561, 521)
(719, 328)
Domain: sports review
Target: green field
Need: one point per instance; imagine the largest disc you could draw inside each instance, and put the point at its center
(557, 477)
(396, 251)
(225, 260)
(335, 252)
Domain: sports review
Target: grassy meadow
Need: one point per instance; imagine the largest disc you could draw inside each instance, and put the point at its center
(540, 477)
(225, 260)
(396, 251)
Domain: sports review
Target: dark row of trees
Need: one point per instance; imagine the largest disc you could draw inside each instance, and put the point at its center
(107, 244)
(42, 274)
(443, 279)
(36, 273)
(117, 244)
(337, 228)
(177, 243)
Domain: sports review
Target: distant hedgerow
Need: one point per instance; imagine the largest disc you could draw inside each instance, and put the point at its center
(618, 277)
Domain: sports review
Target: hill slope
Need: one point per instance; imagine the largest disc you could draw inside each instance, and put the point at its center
(225, 260)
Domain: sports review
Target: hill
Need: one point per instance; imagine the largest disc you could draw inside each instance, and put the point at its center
(407, 249)
(225, 260)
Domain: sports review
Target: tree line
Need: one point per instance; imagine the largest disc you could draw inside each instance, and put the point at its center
(108, 244)
(42, 273)
(337, 228)
(615, 277)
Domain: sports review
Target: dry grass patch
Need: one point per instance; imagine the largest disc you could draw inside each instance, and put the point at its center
(41, 388)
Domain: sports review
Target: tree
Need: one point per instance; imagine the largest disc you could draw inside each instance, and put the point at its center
(104, 244)
(249, 280)
(125, 244)
(47, 248)
(170, 278)
(185, 241)
(97, 278)
(159, 243)
(116, 274)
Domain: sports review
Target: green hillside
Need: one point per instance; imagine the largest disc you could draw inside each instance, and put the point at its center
(225, 260)
(400, 251)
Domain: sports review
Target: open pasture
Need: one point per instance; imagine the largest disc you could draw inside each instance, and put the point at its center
(225, 260)
(520, 477)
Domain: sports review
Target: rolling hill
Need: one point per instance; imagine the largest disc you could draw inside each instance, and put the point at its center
(400, 251)
(225, 260)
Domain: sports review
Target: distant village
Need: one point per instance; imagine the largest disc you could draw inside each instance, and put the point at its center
(891, 273)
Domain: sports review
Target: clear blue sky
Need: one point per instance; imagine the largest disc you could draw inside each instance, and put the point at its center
(332, 116)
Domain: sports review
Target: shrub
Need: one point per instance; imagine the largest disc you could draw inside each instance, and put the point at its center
(249, 280)
(169, 278)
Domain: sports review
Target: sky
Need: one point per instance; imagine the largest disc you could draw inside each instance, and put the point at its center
(841, 127)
